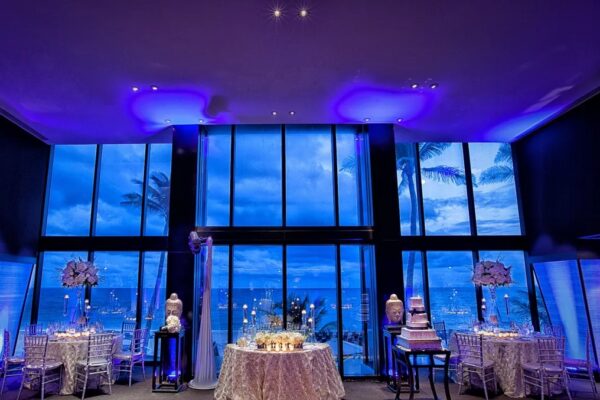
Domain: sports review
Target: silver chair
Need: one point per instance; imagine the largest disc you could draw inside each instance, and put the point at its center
(127, 329)
(450, 344)
(125, 361)
(550, 371)
(472, 362)
(35, 329)
(39, 369)
(97, 364)
(10, 366)
(583, 370)
(554, 330)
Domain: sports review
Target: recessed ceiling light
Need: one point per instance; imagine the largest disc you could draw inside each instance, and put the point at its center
(273, 113)
(303, 13)
(367, 119)
(135, 88)
(399, 120)
(201, 121)
(292, 113)
(434, 85)
(154, 87)
(414, 85)
(168, 121)
(277, 13)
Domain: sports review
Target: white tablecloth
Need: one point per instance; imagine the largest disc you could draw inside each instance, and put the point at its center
(69, 352)
(249, 374)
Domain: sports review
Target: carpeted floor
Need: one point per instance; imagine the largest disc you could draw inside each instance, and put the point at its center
(355, 390)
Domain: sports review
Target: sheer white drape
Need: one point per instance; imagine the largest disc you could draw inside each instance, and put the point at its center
(205, 374)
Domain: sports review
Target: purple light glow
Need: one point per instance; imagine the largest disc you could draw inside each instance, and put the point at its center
(380, 104)
(511, 129)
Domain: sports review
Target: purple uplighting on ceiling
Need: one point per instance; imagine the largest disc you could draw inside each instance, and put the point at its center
(502, 68)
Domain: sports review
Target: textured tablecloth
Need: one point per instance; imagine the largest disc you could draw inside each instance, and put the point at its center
(307, 374)
(69, 352)
(508, 355)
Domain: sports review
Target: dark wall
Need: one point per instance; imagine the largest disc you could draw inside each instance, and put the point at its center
(23, 166)
(559, 174)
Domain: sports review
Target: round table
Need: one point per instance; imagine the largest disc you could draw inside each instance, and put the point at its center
(69, 351)
(508, 355)
(250, 374)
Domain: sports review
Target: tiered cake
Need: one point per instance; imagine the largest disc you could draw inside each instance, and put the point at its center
(417, 335)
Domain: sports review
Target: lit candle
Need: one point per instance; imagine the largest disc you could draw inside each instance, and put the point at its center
(66, 304)
(506, 304)
(253, 314)
(312, 313)
(303, 318)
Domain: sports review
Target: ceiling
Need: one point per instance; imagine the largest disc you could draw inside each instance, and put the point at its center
(67, 67)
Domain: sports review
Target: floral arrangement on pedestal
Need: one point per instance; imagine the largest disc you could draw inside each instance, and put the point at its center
(173, 324)
(492, 274)
(79, 272)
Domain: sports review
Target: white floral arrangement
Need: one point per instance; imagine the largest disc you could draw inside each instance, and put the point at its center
(281, 341)
(79, 272)
(491, 273)
(173, 324)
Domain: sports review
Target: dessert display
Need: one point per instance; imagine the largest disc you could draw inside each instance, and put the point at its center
(417, 335)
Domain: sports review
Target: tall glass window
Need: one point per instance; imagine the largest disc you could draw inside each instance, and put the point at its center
(257, 283)
(353, 169)
(214, 176)
(120, 191)
(59, 304)
(452, 294)
(70, 189)
(114, 300)
(444, 189)
(220, 299)
(512, 301)
(591, 278)
(154, 293)
(16, 277)
(158, 190)
(406, 173)
(359, 310)
(561, 288)
(494, 190)
(257, 176)
(412, 266)
(309, 178)
(311, 279)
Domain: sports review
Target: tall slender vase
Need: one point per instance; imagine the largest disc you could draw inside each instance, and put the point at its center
(493, 316)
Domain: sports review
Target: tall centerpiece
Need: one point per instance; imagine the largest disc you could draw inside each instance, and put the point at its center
(492, 274)
(79, 273)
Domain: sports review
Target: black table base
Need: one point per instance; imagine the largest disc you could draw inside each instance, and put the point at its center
(412, 361)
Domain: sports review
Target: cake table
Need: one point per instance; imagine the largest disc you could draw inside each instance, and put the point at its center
(413, 361)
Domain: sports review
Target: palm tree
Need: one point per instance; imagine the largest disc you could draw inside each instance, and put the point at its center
(502, 170)
(405, 164)
(157, 201)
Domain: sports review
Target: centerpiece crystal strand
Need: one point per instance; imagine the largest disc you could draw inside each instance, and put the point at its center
(205, 376)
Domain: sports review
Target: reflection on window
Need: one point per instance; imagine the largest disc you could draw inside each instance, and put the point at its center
(71, 184)
(494, 190)
(412, 266)
(120, 190)
(311, 279)
(114, 300)
(406, 174)
(220, 299)
(257, 177)
(158, 190)
(154, 293)
(16, 277)
(257, 283)
(214, 176)
(444, 189)
(561, 288)
(309, 178)
(354, 188)
(591, 279)
(59, 305)
(452, 294)
(515, 307)
(543, 315)
(359, 310)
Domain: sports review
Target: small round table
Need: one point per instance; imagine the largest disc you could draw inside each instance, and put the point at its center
(250, 374)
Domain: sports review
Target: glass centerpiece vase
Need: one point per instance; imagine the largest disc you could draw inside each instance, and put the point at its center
(492, 274)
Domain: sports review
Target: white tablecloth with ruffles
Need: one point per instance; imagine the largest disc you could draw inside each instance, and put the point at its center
(69, 352)
(250, 374)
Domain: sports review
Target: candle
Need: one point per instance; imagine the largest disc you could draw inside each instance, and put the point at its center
(66, 304)
(312, 313)
(303, 318)
(506, 304)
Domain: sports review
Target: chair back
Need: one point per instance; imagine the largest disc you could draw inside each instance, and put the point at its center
(35, 350)
(470, 348)
(551, 351)
(99, 348)
(35, 329)
(138, 342)
(128, 327)
(440, 329)
(5, 346)
(554, 330)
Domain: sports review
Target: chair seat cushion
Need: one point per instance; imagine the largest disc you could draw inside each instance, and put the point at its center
(474, 363)
(49, 365)
(553, 369)
(15, 360)
(572, 362)
(98, 362)
(127, 356)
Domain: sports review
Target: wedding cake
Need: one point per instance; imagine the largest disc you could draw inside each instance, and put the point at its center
(417, 335)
